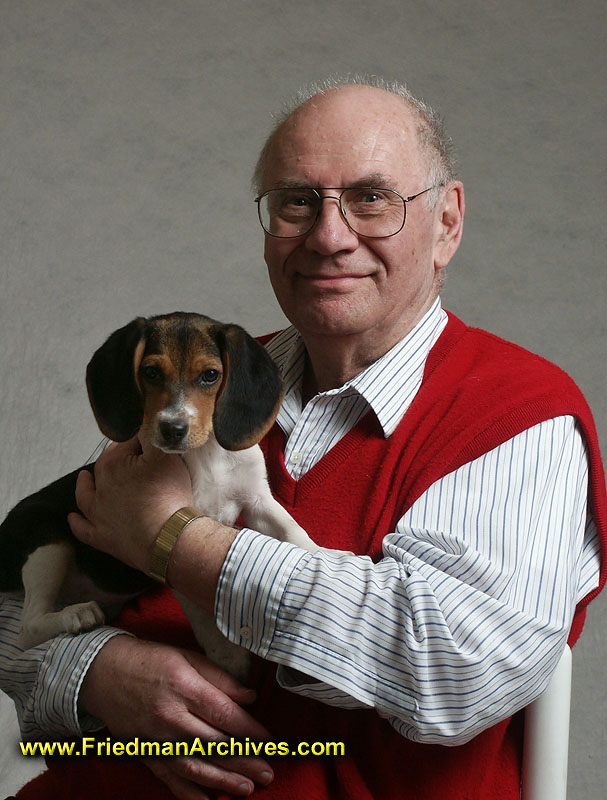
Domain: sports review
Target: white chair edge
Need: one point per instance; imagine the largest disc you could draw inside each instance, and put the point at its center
(546, 738)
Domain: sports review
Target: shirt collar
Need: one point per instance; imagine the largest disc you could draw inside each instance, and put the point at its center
(388, 385)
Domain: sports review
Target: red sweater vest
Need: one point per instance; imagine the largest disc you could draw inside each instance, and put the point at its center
(478, 391)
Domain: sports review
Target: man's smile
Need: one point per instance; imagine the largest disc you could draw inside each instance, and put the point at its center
(332, 280)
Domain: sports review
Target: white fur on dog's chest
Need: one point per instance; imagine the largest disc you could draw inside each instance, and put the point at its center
(225, 482)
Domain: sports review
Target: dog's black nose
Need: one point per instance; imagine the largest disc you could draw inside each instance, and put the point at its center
(173, 431)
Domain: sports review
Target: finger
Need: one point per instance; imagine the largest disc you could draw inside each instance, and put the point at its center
(251, 767)
(147, 449)
(85, 491)
(150, 452)
(117, 452)
(183, 774)
(218, 710)
(80, 527)
(111, 445)
(105, 456)
(130, 447)
(181, 788)
(221, 679)
(213, 775)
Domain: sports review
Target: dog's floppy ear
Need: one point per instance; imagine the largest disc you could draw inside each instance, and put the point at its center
(111, 382)
(250, 393)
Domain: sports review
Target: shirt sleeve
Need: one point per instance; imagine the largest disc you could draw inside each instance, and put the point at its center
(44, 681)
(463, 620)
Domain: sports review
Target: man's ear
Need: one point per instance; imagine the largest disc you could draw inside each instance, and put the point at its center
(112, 385)
(449, 223)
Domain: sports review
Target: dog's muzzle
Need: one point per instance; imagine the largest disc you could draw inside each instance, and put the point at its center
(172, 433)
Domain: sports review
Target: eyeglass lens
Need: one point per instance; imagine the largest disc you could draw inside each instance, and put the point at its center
(370, 212)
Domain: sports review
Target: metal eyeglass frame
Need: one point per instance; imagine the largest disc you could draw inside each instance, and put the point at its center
(341, 191)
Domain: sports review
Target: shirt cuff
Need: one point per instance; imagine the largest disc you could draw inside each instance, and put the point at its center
(60, 677)
(299, 683)
(253, 579)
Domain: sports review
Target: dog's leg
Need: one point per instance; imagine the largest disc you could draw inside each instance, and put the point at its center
(266, 515)
(43, 575)
(225, 654)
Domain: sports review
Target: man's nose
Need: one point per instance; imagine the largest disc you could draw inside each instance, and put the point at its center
(331, 232)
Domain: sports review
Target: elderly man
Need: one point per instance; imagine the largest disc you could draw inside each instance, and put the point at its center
(461, 471)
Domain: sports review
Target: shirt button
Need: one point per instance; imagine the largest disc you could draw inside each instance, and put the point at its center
(246, 632)
(296, 458)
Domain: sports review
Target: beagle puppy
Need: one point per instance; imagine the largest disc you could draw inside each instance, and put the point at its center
(189, 385)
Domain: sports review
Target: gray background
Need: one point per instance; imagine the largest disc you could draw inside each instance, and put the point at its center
(129, 130)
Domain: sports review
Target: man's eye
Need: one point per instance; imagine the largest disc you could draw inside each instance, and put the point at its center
(151, 374)
(208, 377)
(368, 201)
(368, 196)
(295, 204)
(297, 201)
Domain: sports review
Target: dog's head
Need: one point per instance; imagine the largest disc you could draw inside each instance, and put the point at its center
(178, 377)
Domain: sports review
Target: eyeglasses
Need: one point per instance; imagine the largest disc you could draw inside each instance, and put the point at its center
(368, 211)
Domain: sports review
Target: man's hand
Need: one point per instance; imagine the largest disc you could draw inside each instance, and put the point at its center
(157, 692)
(128, 501)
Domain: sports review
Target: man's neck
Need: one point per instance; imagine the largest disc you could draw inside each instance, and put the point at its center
(329, 371)
(331, 361)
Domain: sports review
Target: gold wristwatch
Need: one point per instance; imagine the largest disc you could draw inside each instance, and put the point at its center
(167, 538)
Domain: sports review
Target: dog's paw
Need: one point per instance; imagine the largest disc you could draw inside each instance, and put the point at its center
(72, 619)
(82, 617)
(297, 536)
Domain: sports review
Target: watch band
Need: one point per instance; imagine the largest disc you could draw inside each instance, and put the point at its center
(167, 538)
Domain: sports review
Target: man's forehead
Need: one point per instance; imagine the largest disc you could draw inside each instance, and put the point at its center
(354, 139)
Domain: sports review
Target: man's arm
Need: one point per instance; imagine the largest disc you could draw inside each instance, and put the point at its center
(463, 620)
(76, 685)
(458, 626)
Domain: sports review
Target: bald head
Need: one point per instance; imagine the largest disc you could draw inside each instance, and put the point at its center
(356, 100)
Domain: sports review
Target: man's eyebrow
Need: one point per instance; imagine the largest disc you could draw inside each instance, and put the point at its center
(375, 180)
(292, 185)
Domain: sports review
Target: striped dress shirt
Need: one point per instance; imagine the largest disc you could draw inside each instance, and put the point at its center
(459, 624)
(462, 621)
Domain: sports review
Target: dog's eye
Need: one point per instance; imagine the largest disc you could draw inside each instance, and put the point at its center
(208, 377)
(151, 374)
